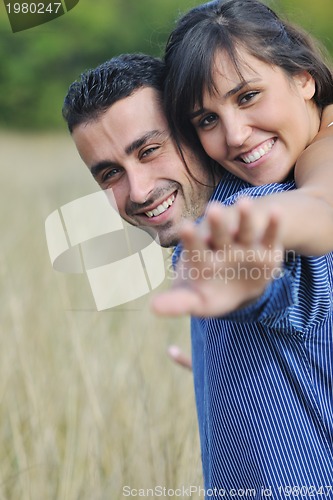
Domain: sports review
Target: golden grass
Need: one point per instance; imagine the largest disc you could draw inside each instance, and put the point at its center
(89, 401)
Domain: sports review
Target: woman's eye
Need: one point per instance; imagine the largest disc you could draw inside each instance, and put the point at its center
(207, 121)
(246, 98)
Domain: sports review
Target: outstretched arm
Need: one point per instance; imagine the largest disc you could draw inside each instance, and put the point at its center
(306, 213)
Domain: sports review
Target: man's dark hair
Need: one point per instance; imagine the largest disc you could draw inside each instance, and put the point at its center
(99, 88)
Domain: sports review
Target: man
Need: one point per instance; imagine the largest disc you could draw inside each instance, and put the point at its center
(115, 115)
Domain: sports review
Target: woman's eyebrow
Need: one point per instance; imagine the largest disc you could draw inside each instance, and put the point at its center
(230, 93)
(196, 113)
(240, 86)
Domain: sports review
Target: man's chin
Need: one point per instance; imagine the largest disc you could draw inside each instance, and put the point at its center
(164, 236)
(168, 237)
(167, 240)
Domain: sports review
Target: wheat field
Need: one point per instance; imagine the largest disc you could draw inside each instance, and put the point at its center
(90, 403)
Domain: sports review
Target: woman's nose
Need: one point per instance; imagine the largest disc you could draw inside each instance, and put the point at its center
(237, 131)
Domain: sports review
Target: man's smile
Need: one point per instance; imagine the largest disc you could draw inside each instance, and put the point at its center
(161, 207)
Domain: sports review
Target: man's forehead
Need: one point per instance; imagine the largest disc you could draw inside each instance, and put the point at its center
(137, 114)
(143, 99)
(123, 128)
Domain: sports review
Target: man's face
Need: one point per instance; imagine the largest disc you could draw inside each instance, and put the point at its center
(129, 149)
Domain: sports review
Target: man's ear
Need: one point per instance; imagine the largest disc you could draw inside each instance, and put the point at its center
(306, 84)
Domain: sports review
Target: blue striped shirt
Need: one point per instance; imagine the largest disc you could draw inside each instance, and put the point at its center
(263, 380)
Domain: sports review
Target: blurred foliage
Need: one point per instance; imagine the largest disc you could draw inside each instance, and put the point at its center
(37, 65)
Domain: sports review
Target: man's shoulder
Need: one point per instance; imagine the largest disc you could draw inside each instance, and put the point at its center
(230, 188)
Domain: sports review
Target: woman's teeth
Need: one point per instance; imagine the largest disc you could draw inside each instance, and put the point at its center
(258, 153)
(162, 207)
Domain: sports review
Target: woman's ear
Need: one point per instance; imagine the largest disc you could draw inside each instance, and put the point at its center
(306, 84)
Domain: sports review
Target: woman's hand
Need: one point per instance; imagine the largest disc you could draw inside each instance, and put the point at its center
(225, 263)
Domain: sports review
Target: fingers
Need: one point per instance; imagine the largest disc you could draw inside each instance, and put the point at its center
(223, 224)
(234, 224)
(247, 234)
(193, 239)
(193, 252)
(179, 357)
(272, 235)
(272, 241)
(221, 227)
(250, 234)
(176, 302)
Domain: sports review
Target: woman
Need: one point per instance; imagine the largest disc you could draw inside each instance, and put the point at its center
(280, 109)
(251, 90)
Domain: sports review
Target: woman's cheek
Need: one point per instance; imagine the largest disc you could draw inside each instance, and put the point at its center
(214, 148)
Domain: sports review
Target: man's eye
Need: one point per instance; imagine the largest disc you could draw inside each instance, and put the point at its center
(109, 174)
(207, 121)
(246, 98)
(147, 152)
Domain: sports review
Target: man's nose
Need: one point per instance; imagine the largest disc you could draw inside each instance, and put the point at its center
(141, 184)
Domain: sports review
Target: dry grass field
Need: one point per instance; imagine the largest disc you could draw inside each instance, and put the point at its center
(90, 403)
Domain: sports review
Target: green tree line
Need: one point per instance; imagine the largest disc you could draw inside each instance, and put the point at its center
(38, 65)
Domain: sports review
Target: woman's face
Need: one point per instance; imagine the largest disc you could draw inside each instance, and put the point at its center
(256, 126)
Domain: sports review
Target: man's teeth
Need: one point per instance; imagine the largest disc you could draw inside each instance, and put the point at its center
(162, 207)
(258, 153)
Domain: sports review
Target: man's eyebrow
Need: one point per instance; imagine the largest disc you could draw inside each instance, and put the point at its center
(138, 143)
(230, 93)
(100, 166)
